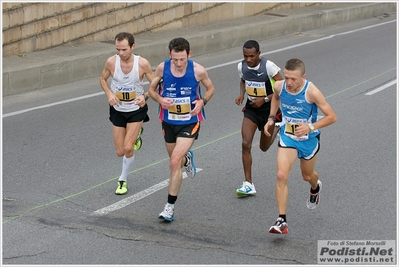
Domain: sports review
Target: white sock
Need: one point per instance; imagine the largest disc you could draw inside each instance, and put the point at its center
(126, 167)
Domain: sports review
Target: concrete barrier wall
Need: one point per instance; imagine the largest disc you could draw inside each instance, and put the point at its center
(30, 27)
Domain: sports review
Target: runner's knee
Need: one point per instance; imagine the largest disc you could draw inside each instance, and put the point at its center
(120, 152)
(175, 163)
(127, 150)
(282, 177)
(246, 146)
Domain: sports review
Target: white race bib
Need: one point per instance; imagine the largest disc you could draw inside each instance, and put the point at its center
(181, 109)
(290, 126)
(255, 88)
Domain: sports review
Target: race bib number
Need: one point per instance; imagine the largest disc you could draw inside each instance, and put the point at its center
(255, 88)
(180, 110)
(125, 96)
(290, 127)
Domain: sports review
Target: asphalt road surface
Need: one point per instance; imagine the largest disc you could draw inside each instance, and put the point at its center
(60, 168)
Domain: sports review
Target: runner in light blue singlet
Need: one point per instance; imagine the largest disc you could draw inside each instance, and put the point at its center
(296, 110)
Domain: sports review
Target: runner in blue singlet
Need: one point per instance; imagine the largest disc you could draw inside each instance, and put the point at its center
(181, 109)
(299, 100)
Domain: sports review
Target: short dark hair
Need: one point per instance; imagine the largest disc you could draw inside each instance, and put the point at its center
(125, 35)
(179, 44)
(294, 64)
(252, 44)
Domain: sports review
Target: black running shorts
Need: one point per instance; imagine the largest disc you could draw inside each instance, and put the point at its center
(171, 131)
(260, 117)
(120, 119)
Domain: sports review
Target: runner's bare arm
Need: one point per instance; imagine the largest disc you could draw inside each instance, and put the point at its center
(146, 69)
(106, 73)
(240, 98)
(317, 97)
(166, 103)
(202, 76)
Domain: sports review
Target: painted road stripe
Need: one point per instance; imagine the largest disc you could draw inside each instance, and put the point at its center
(204, 145)
(381, 88)
(210, 68)
(136, 197)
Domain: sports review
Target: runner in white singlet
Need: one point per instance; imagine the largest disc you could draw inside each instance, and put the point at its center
(127, 100)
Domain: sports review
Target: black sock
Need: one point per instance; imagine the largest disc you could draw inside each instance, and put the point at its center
(314, 191)
(172, 199)
(283, 216)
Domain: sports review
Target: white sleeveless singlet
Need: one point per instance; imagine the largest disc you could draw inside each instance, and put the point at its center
(127, 87)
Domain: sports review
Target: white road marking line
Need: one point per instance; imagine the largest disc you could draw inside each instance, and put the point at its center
(381, 88)
(136, 197)
(210, 68)
(52, 104)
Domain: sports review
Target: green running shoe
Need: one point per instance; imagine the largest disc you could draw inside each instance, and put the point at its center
(122, 188)
(138, 144)
(139, 141)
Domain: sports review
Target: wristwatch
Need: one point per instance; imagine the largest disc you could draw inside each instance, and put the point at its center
(266, 99)
(273, 117)
(311, 127)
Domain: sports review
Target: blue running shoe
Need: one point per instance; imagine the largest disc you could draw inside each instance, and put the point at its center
(191, 170)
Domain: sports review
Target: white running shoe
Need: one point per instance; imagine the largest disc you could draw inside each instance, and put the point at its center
(167, 213)
(314, 199)
(191, 170)
(247, 189)
(280, 227)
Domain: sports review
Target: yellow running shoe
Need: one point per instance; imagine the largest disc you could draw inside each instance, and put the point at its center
(139, 141)
(122, 188)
